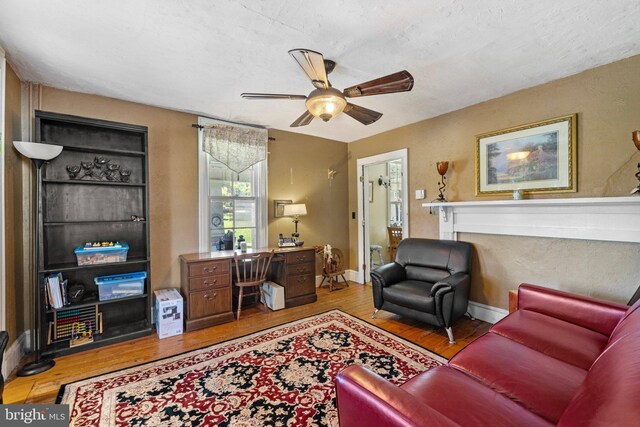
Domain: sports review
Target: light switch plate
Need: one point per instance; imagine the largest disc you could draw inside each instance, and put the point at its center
(419, 194)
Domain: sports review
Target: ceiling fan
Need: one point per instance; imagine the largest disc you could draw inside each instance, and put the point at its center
(326, 102)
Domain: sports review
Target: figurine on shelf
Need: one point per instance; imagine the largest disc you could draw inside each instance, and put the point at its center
(101, 169)
(124, 175)
(73, 171)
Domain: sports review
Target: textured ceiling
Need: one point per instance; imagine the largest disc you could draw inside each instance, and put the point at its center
(199, 55)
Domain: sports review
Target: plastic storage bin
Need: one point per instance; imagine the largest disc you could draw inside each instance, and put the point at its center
(103, 255)
(120, 285)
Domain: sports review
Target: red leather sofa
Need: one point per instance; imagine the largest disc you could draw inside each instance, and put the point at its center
(560, 359)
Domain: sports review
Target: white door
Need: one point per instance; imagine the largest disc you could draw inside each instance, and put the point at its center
(396, 204)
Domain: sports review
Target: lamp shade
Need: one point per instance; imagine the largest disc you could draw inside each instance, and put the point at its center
(37, 150)
(295, 209)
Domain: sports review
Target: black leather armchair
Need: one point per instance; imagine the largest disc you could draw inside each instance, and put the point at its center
(429, 282)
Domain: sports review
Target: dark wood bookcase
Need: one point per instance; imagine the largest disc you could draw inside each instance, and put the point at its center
(75, 211)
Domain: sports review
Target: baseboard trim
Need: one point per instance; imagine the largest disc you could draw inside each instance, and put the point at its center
(14, 354)
(487, 313)
(355, 276)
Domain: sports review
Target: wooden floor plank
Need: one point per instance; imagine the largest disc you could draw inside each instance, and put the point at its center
(356, 300)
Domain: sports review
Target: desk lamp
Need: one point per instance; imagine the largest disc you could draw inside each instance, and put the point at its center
(295, 210)
(38, 153)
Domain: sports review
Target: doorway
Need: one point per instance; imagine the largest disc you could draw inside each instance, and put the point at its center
(383, 208)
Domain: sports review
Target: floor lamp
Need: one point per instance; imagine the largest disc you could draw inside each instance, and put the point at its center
(38, 153)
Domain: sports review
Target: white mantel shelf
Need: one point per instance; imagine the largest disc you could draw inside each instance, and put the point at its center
(614, 219)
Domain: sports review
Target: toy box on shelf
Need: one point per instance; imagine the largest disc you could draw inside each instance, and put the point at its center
(101, 253)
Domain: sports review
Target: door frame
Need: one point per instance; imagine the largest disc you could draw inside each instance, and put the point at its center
(3, 138)
(363, 213)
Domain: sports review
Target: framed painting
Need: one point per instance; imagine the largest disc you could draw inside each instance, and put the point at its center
(534, 158)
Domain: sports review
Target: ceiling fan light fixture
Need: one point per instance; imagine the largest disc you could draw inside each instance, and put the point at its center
(326, 103)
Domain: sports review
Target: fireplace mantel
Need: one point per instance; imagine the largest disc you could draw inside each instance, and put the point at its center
(615, 219)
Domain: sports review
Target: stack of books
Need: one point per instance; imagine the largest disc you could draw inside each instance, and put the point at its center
(56, 291)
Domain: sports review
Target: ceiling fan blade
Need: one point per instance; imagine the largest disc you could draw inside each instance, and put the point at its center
(312, 63)
(272, 96)
(361, 114)
(398, 82)
(303, 120)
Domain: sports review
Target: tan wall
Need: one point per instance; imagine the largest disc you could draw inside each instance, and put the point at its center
(173, 172)
(607, 101)
(17, 291)
(309, 158)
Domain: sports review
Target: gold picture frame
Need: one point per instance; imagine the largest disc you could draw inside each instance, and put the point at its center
(534, 158)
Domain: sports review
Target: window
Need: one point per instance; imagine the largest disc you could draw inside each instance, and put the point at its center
(231, 204)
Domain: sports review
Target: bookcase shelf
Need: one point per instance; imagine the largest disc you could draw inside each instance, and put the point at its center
(68, 223)
(89, 182)
(73, 212)
(71, 266)
(95, 301)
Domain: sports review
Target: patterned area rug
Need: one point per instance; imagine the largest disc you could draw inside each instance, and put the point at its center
(283, 376)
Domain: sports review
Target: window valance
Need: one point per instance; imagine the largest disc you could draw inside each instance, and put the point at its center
(237, 147)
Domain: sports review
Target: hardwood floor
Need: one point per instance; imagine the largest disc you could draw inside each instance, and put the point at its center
(356, 300)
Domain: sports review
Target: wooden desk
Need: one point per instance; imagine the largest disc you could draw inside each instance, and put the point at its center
(206, 282)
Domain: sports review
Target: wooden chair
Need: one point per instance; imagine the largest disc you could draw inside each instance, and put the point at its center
(251, 272)
(332, 267)
(395, 237)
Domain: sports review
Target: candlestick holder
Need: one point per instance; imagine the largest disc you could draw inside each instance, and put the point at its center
(442, 167)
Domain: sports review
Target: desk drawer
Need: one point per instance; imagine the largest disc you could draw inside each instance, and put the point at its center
(209, 282)
(300, 284)
(300, 257)
(307, 268)
(208, 268)
(208, 303)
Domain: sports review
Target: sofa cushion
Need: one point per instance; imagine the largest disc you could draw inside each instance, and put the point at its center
(553, 337)
(597, 315)
(425, 274)
(629, 323)
(412, 294)
(542, 384)
(449, 255)
(474, 404)
(610, 394)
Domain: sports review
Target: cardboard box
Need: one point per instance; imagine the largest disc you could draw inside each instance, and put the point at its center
(274, 294)
(169, 312)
